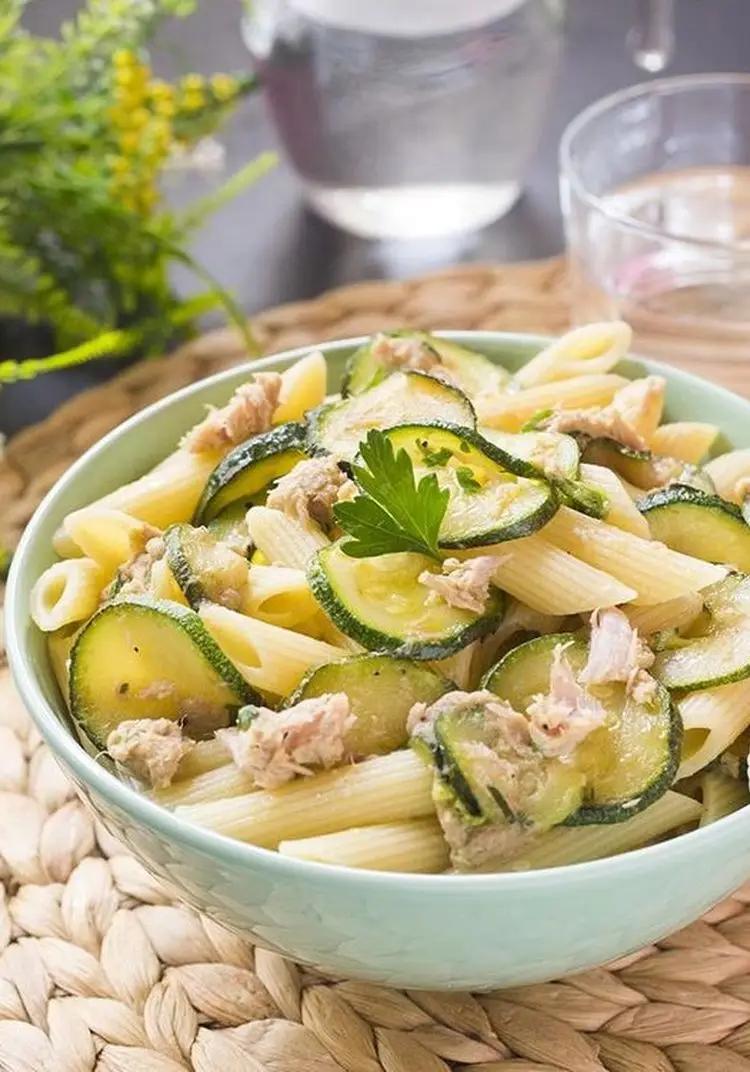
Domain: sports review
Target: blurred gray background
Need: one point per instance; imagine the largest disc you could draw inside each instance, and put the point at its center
(268, 248)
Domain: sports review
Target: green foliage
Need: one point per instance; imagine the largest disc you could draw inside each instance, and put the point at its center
(85, 131)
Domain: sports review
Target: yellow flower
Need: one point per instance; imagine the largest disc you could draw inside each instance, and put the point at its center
(130, 141)
(223, 87)
(193, 82)
(118, 165)
(193, 101)
(124, 57)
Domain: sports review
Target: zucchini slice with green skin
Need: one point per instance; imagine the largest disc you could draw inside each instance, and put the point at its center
(715, 649)
(701, 525)
(382, 690)
(380, 603)
(489, 502)
(247, 472)
(338, 428)
(230, 527)
(204, 568)
(145, 658)
(644, 469)
(627, 763)
(550, 791)
(554, 457)
(471, 371)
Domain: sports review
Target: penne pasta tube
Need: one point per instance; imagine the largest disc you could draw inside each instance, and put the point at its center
(712, 719)
(593, 348)
(59, 646)
(728, 470)
(510, 410)
(550, 580)
(162, 583)
(576, 844)
(110, 537)
(270, 658)
(654, 571)
(303, 387)
(284, 541)
(622, 512)
(67, 592)
(392, 788)
(673, 614)
(279, 595)
(641, 403)
(221, 783)
(64, 546)
(459, 667)
(721, 795)
(417, 847)
(204, 756)
(690, 441)
(168, 493)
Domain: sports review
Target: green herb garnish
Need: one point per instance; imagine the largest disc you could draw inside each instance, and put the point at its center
(467, 480)
(536, 419)
(433, 458)
(393, 513)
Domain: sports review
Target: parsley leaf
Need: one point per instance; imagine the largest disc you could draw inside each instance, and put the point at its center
(466, 479)
(393, 512)
(431, 457)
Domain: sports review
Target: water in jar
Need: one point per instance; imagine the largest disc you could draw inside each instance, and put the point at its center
(407, 118)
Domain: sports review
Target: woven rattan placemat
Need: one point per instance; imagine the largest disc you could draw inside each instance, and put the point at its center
(100, 969)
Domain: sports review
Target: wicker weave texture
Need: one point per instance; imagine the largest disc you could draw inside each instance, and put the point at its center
(103, 970)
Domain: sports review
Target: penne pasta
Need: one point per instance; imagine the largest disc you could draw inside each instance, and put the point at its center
(654, 571)
(574, 845)
(394, 788)
(510, 410)
(284, 541)
(690, 441)
(59, 646)
(268, 657)
(303, 387)
(641, 404)
(712, 719)
(110, 537)
(279, 595)
(551, 581)
(728, 471)
(67, 592)
(162, 583)
(622, 511)
(721, 794)
(459, 667)
(204, 756)
(417, 847)
(168, 493)
(217, 784)
(673, 614)
(593, 348)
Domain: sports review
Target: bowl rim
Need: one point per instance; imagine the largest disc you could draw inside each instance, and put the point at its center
(167, 824)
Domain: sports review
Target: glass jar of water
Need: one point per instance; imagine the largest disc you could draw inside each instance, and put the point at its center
(407, 118)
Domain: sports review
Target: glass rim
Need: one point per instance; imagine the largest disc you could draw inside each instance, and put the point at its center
(659, 87)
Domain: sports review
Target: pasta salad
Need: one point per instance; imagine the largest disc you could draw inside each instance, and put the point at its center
(452, 618)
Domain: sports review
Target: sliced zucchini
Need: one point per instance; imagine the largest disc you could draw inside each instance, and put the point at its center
(532, 791)
(247, 472)
(715, 649)
(380, 603)
(204, 568)
(488, 502)
(339, 427)
(231, 528)
(145, 658)
(472, 372)
(701, 525)
(382, 690)
(628, 762)
(642, 468)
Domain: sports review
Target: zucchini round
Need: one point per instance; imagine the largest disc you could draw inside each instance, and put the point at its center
(701, 525)
(382, 690)
(204, 568)
(247, 472)
(338, 428)
(380, 603)
(489, 502)
(472, 372)
(230, 528)
(639, 467)
(630, 760)
(716, 648)
(144, 658)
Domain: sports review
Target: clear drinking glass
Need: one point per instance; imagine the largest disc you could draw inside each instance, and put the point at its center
(407, 118)
(655, 187)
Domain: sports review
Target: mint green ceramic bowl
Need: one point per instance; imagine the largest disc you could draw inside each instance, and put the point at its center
(404, 930)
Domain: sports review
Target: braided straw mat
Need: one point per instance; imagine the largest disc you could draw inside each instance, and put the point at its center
(102, 970)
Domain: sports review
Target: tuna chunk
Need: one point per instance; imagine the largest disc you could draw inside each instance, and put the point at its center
(465, 585)
(637, 405)
(150, 748)
(404, 353)
(511, 725)
(474, 848)
(560, 719)
(136, 572)
(309, 491)
(278, 745)
(617, 653)
(248, 412)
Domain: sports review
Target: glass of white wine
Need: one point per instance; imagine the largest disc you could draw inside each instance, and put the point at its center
(655, 188)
